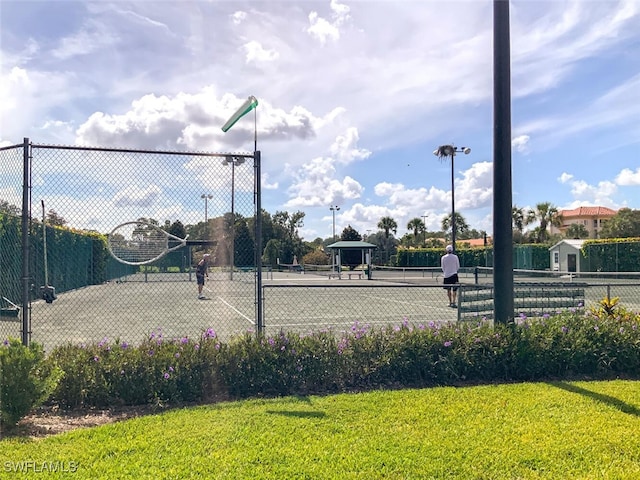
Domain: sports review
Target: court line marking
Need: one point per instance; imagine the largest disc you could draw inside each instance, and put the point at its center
(250, 320)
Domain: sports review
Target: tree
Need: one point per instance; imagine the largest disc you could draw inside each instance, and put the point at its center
(417, 226)
(388, 224)
(576, 230)
(461, 225)
(316, 257)
(54, 219)
(546, 214)
(517, 218)
(624, 224)
(8, 208)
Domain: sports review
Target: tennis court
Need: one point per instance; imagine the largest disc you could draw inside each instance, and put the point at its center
(140, 304)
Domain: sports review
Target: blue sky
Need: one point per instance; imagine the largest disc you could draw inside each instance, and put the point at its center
(354, 97)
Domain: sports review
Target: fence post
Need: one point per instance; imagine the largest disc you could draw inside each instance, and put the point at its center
(26, 188)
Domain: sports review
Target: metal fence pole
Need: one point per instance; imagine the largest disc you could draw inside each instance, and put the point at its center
(26, 188)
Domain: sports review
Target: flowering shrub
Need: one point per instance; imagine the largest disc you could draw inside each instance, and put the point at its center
(157, 370)
(26, 381)
(571, 344)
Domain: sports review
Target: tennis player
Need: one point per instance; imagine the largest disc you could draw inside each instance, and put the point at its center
(450, 264)
(202, 270)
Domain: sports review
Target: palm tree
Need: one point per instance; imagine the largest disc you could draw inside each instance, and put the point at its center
(417, 225)
(517, 218)
(388, 224)
(461, 224)
(547, 214)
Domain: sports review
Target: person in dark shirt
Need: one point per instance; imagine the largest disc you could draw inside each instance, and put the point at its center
(202, 271)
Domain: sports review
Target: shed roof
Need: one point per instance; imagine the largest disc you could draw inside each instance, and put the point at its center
(355, 245)
(575, 243)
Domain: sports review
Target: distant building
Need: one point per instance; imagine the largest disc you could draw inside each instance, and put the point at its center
(593, 219)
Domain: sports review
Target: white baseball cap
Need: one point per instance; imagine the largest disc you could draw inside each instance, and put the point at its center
(449, 248)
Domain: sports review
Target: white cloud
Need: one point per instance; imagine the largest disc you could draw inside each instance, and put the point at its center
(257, 53)
(345, 148)
(238, 17)
(521, 143)
(322, 29)
(628, 177)
(136, 196)
(565, 177)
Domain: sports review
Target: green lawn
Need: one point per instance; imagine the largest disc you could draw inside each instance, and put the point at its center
(577, 430)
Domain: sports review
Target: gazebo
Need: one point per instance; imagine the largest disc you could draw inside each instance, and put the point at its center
(365, 249)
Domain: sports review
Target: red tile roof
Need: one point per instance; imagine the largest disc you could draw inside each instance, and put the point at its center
(588, 212)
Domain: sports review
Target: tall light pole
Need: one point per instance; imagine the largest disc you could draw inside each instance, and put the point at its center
(334, 209)
(444, 151)
(234, 162)
(424, 233)
(206, 213)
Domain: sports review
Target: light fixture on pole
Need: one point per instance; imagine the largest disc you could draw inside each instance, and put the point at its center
(234, 162)
(444, 151)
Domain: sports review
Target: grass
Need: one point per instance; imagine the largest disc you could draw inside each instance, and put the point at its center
(576, 430)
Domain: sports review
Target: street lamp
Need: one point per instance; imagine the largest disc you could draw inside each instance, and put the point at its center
(334, 209)
(234, 162)
(424, 233)
(444, 151)
(206, 219)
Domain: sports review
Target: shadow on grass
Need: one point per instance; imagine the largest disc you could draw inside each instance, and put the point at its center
(606, 399)
(298, 413)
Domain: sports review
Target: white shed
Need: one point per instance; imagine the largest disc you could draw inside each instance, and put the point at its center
(566, 255)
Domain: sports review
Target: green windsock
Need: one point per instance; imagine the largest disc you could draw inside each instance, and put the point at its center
(249, 104)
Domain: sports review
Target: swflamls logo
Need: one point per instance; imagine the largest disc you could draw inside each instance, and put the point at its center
(31, 466)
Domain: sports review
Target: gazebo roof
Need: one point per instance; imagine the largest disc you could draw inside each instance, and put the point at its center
(354, 245)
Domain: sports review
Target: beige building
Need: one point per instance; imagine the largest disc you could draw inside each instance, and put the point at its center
(593, 219)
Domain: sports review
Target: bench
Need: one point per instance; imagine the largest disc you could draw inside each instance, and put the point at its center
(348, 274)
(531, 299)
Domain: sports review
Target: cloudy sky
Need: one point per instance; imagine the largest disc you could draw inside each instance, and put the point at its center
(354, 96)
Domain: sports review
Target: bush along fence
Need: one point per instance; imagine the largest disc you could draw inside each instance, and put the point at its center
(600, 343)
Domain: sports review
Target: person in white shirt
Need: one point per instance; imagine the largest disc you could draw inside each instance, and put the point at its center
(450, 264)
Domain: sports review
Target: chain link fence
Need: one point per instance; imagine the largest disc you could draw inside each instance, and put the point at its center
(74, 290)
(66, 201)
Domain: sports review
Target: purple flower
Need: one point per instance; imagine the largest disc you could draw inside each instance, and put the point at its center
(545, 316)
(166, 376)
(448, 343)
(124, 345)
(184, 340)
(196, 346)
(151, 353)
(96, 359)
(564, 329)
(271, 341)
(5, 342)
(210, 333)
(596, 328)
(177, 355)
(171, 369)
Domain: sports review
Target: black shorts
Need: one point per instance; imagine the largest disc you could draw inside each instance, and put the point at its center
(200, 279)
(453, 279)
